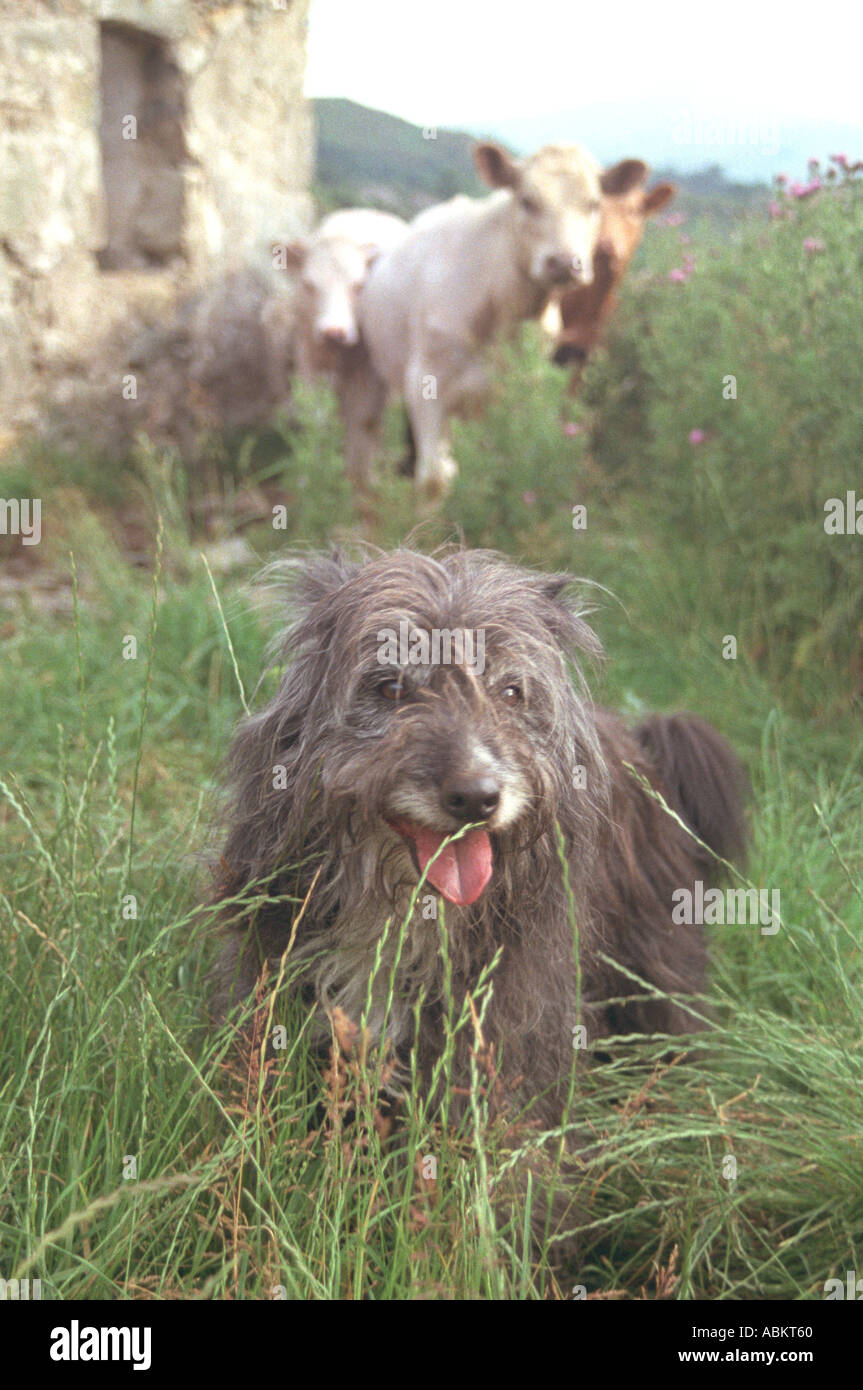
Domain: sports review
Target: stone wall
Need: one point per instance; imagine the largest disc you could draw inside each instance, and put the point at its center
(147, 147)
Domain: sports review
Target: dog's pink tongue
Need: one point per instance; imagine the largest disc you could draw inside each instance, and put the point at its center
(462, 870)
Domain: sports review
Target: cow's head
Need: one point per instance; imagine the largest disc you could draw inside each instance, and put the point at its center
(556, 206)
(626, 204)
(331, 272)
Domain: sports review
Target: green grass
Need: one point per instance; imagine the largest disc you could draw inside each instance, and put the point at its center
(108, 773)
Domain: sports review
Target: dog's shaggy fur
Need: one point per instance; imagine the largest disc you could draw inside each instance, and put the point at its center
(380, 763)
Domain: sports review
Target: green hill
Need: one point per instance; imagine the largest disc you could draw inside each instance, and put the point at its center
(369, 158)
(376, 160)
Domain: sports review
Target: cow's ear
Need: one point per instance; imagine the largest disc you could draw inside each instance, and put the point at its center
(495, 166)
(623, 177)
(657, 197)
(295, 253)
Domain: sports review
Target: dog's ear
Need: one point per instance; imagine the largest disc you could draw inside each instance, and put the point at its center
(553, 585)
(569, 610)
(321, 576)
(307, 577)
(302, 582)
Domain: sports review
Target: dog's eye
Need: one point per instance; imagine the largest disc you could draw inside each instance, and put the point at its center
(529, 205)
(392, 690)
(511, 695)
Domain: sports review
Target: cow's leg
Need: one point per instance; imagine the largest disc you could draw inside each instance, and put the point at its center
(435, 468)
(433, 385)
(408, 464)
(305, 362)
(468, 391)
(278, 341)
(362, 398)
(447, 375)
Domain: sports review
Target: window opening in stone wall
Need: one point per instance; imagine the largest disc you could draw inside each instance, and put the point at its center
(143, 150)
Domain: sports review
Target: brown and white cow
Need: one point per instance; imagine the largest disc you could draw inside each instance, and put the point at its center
(577, 316)
(468, 270)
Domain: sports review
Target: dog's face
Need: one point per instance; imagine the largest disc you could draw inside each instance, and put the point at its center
(436, 696)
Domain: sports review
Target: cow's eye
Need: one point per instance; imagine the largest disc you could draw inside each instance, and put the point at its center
(529, 205)
(511, 695)
(392, 689)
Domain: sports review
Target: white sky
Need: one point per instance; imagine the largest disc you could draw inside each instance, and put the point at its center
(466, 62)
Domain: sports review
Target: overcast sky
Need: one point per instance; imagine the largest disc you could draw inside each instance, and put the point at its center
(467, 62)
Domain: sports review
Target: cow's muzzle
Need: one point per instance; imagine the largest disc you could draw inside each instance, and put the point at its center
(561, 270)
(567, 353)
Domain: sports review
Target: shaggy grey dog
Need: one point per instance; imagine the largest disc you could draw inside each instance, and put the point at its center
(375, 749)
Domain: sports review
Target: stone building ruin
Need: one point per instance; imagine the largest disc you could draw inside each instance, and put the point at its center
(148, 149)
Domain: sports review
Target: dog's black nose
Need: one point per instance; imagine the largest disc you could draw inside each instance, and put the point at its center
(470, 798)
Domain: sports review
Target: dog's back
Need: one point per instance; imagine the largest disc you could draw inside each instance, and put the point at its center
(704, 780)
(669, 769)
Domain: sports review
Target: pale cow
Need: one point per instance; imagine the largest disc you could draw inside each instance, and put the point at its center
(331, 268)
(577, 316)
(466, 271)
